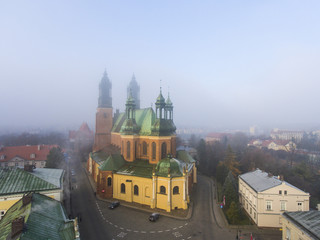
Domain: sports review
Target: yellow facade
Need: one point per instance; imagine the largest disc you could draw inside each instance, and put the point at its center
(156, 192)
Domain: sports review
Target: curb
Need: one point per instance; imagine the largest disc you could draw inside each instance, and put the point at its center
(93, 187)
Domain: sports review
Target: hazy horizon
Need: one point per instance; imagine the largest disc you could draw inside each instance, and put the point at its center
(228, 65)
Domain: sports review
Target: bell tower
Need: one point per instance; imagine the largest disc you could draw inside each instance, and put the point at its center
(104, 113)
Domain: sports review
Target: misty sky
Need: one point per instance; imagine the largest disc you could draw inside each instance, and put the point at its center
(228, 64)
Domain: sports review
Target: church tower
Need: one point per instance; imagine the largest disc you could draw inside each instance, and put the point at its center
(104, 113)
(134, 90)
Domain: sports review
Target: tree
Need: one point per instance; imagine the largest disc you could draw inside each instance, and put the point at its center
(233, 213)
(55, 158)
(229, 190)
(202, 154)
(230, 162)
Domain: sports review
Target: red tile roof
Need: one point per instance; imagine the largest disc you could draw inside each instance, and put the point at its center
(40, 151)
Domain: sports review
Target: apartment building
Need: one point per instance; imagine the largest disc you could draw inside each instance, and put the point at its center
(264, 197)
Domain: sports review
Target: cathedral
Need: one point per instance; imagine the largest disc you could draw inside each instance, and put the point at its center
(134, 156)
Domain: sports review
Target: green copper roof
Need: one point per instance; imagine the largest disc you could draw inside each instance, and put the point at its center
(113, 162)
(160, 99)
(144, 119)
(163, 127)
(16, 180)
(185, 156)
(99, 157)
(140, 168)
(44, 217)
(170, 166)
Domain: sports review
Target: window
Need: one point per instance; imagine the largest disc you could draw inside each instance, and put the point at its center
(254, 215)
(144, 148)
(109, 181)
(154, 148)
(176, 190)
(299, 206)
(123, 188)
(280, 192)
(250, 210)
(32, 155)
(136, 190)
(128, 149)
(163, 190)
(285, 192)
(163, 150)
(2, 157)
(16, 164)
(2, 214)
(269, 205)
(282, 205)
(288, 234)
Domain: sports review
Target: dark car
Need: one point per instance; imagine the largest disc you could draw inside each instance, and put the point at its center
(115, 204)
(154, 217)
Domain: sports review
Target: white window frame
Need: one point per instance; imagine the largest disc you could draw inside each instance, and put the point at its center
(269, 203)
(283, 205)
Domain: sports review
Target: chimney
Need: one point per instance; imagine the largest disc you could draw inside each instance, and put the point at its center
(318, 206)
(39, 147)
(282, 178)
(28, 168)
(17, 226)
(26, 199)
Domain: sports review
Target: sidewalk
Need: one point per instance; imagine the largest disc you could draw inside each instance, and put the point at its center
(176, 214)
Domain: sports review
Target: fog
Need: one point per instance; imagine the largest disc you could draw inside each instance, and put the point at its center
(227, 64)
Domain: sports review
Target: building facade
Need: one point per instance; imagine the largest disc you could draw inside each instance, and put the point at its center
(18, 156)
(264, 197)
(139, 163)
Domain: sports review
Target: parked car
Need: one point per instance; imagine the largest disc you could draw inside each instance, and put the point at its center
(154, 217)
(115, 204)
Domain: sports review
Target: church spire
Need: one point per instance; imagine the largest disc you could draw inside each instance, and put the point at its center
(134, 89)
(105, 86)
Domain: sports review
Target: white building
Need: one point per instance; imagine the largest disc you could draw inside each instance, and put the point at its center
(264, 197)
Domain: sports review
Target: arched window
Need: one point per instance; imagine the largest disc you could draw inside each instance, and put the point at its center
(176, 190)
(128, 149)
(123, 188)
(136, 190)
(144, 148)
(163, 150)
(162, 189)
(109, 181)
(154, 149)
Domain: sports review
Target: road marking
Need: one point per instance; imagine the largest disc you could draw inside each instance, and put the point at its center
(180, 226)
(129, 230)
(177, 234)
(168, 230)
(116, 226)
(121, 228)
(186, 224)
(143, 231)
(122, 234)
(160, 231)
(174, 228)
(136, 231)
(152, 231)
(189, 237)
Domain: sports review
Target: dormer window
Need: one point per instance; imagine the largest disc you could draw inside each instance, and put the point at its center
(2, 157)
(32, 155)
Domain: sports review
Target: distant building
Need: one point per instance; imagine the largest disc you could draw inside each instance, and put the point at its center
(19, 156)
(134, 90)
(135, 159)
(16, 182)
(217, 137)
(264, 197)
(81, 138)
(37, 216)
(276, 145)
(301, 225)
(287, 135)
